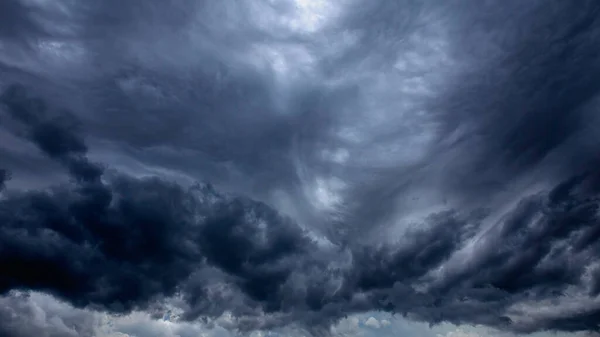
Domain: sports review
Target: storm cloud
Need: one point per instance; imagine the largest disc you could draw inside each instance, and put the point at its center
(292, 163)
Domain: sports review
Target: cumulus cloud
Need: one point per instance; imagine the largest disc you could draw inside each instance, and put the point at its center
(23, 315)
(282, 165)
(460, 333)
(372, 322)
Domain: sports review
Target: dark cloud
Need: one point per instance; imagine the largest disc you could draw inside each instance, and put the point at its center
(118, 243)
(4, 176)
(19, 20)
(438, 162)
(538, 93)
(546, 231)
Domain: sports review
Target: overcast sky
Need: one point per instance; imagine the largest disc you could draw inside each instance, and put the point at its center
(361, 168)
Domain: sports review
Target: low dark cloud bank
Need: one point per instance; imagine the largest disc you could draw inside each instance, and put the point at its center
(120, 242)
(511, 168)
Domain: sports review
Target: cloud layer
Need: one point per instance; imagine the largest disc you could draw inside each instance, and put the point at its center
(292, 163)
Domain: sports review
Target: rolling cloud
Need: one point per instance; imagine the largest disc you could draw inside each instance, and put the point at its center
(289, 164)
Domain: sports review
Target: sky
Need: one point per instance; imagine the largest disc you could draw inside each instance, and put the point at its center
(266, 168)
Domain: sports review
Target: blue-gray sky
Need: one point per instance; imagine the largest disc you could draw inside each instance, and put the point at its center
(299, 167)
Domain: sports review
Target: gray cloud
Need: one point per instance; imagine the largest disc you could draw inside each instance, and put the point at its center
(21, 316)
(4, 176)
(430, 160)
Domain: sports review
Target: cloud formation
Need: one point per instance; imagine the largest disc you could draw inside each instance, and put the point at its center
(293, 163)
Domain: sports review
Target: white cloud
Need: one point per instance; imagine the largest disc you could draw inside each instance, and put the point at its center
(372, 322)
(43, 315)
(462, 333)
(348, 327)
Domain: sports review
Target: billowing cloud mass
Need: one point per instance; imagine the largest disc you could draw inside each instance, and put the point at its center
(272, 165)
